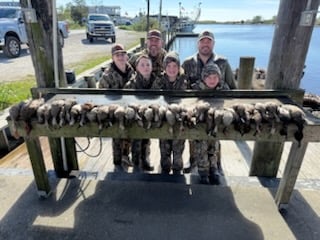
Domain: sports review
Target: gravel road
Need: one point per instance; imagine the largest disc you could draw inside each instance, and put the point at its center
(76, 49)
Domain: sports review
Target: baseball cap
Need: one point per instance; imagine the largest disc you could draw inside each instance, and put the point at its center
(154, 33)
(118, 48)
(206, 34)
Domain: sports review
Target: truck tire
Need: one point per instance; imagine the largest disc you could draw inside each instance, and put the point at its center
(61, 39)
(12, 48)
(113, 39)
(89, 38)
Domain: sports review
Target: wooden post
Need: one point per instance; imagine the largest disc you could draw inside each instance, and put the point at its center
(246, 69)
(57, 156)
(290, 173)
(38, 166)
(287, 58)
(142, 43)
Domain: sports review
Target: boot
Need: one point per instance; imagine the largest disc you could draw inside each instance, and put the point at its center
(204, 180)
(214, 176)
(146, 166)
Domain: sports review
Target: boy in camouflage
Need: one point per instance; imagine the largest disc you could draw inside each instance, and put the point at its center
(206, 152)
(115, 76)
(143, 79)
(172, 79)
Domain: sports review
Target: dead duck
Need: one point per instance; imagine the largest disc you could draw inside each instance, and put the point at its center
(201, 110)
(129, 115)
(229, 116)
(75, 113)
(65, 115)
(44, 114)
(103, 116)
(85, 108)
(173, 115)
(188, 117)
(271, 115)
(14, 114)
(112, 109)
(56, 107)
(29, 110)
(257, 119)
(171, 119)
(209, 121)
(244, 112)
(298, 117)
(148, 115)
(162, 113)
(92, 114)
(119, 115)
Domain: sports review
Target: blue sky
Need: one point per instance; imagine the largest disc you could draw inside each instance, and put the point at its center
(227, 10)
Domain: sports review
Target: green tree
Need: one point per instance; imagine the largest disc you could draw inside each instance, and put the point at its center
(257, 19)
(78, 11)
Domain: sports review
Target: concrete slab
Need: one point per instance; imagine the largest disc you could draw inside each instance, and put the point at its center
(111, 209)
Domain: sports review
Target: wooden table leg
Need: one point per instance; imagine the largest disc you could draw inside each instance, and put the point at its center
(290, 174)
(38, 166)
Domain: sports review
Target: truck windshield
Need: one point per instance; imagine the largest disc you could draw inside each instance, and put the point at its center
(8, 13)
(99, 18)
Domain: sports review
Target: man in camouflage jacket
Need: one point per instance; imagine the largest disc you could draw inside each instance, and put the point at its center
(154, 50)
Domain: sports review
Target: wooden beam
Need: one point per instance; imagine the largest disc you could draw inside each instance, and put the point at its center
(290, 174)
(38, 166)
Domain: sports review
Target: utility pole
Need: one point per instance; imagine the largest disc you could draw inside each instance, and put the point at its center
(148, 14)
(160, 14)
(290, 45)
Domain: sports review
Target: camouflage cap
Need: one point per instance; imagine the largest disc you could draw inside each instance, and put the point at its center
(118, 48)
(171, 57)
(154, 33)
(210, 68)
(206, 34)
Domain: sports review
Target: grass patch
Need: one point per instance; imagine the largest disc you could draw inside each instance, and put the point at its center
(14, 92)
(88, 64)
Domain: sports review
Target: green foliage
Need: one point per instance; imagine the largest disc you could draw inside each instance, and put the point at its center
(14, 92)
(257, 19)
(78, 13)
(142, 24)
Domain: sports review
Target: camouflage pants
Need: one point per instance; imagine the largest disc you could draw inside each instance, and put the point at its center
(140, 150)
(174, 147)
(120, 148)
(206, 155)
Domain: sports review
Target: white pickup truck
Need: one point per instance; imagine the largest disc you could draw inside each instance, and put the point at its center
(13, 31)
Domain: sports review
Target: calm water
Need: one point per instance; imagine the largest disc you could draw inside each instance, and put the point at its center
(235, 41)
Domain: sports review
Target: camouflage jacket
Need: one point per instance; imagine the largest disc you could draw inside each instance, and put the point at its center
(180, 83)
(114, 78)
(137, 81)
(157, 62)
(193, 67)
